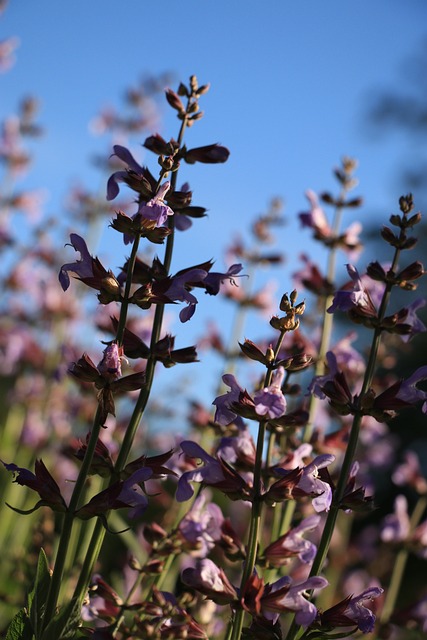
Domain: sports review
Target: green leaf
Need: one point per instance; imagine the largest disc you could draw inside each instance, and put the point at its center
(64, 625)
(20, 627)
(37, 596)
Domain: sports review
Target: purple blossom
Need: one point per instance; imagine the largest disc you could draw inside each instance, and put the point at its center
(285, 596)
(357, 298)
(360, 614)
(125, 493)
(319, 382)
(224, 415)
(82, 268)
(293, 544)
(156, 209)
(315, 218)
(311, 483)
(178, 291)
(395, 526)
(120, 176)
(411, 318)
(410, 473)
(210, 580)
(211, 471)
(270, 401)
(214, 279)
(201, 527)
(409, 392)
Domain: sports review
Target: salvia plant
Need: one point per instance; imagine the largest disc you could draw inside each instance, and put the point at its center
(268, 518)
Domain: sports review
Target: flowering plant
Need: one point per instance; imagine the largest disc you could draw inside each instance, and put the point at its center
(264, 519)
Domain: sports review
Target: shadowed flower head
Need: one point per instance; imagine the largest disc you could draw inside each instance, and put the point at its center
(352, 611)
(355, 298)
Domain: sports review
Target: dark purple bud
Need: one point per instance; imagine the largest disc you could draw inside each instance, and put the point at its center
(209, 154)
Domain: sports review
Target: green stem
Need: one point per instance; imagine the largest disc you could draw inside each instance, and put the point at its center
(68, 521)
(254, 528)
(352, 444)
(99, 532)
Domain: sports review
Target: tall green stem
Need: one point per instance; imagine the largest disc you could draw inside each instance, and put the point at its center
(99, 532)
(254, 527)
(352, 444)
(68, 521)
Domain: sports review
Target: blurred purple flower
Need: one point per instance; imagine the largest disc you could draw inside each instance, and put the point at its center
(416, 325)
(395, 526)
(270, 401)
(211, 581)
(201, 526)
(315, 218)
(408, 391)
(410, 473)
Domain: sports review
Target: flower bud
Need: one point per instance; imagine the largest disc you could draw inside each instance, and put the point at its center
(406, 203)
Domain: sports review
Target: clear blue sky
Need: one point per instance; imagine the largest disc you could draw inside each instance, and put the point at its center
(290, 83)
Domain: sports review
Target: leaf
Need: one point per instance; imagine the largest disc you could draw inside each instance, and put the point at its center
(38, 594)
(20, 627)
(64, 625)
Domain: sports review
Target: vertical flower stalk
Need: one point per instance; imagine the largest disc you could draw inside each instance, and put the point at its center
(359, 303)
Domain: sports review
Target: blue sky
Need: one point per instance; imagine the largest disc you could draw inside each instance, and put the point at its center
(290, 85)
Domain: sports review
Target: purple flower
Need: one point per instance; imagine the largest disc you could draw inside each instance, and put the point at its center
(210, 473)
(311, 483)
(214, 279)
(293, 544)
(319, 382)
(270, 401)
(224, 415)
(156, 209)
(410, 473)
(358, 613)
(396, 526)
(42, 482)
(238, 449)
(411, 319)
(82, 268)
(178, 290)
(284, 596)
(315, 218)
(201, 527)
(210, 580)
(409, 392)
(357, 298)
(120, 176)
(125, 493)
